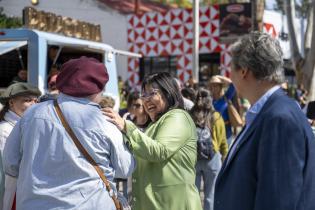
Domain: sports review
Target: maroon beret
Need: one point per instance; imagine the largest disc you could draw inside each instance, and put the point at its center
(82, 77)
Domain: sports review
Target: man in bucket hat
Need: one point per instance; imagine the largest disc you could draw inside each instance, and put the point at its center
(19, 89)
(216, 86)
(16, 99)
(52, 173)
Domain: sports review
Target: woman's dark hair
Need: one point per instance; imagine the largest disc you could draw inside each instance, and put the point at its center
(133, 96)
(4, 110)
(203, 110)
(168, 87)
(189, 93)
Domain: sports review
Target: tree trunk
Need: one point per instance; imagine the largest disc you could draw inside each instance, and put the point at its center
(304, 67)
(296, 57)
(258, 14)
(309, 64)
(254, 15)
(309, 29)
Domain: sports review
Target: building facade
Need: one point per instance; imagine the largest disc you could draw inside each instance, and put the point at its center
(165, 39)
(169, 36)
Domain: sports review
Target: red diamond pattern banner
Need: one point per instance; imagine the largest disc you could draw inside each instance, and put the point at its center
(225, 60)
(171, 33)
(133, 73)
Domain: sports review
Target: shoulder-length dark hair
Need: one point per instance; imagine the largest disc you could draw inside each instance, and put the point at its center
(168, 87)
(132, 96)
(203, 111)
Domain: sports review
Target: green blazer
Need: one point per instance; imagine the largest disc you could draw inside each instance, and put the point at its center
(164, 178)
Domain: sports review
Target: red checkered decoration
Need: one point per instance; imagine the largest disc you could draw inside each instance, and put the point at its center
(225, 60)
(171, 33)
(133, 73)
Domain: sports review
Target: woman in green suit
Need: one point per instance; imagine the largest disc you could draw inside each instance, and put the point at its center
(164, 178)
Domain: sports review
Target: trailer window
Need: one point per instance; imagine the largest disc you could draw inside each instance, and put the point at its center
(13, 57)
(149, 65)
(58, 55)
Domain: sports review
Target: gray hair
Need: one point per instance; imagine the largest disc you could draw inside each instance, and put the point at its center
(261, 54)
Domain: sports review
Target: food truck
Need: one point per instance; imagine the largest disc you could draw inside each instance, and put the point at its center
(29, 49)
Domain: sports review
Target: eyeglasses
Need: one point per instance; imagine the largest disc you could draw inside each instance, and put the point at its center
(149, 95)
(136, 106)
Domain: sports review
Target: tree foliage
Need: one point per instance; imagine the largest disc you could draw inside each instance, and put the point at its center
(9, 22)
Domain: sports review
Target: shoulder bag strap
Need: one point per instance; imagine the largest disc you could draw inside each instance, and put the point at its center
(85, 153)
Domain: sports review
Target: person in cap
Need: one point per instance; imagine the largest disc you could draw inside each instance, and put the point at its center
(16, 99)
(220, 100)
(271, 164)
(51, 171)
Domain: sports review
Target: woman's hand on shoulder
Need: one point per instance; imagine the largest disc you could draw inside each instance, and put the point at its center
(114, 118)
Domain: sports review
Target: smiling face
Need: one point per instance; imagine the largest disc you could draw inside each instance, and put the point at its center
(136, 109)
(19, 104)
(154, 102)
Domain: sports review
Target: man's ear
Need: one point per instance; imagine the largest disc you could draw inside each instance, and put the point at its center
(244, 73)
(10, 102)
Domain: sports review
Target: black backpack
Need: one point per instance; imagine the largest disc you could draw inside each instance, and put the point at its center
(204, 143)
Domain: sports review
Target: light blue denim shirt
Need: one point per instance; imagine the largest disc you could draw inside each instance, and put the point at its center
(251, 115)
(52, 173)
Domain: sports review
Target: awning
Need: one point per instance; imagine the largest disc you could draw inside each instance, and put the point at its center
(7, 46)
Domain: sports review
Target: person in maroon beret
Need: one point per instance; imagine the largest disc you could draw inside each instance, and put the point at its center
(52, 173)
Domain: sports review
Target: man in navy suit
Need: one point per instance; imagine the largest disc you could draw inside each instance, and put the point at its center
(271, 164)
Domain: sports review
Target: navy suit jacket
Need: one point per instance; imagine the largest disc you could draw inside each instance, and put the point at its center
(273, 165)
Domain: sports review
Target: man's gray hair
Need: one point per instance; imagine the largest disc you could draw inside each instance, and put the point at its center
(261, 54)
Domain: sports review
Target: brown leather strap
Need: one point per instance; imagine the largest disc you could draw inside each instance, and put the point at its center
(85, 153)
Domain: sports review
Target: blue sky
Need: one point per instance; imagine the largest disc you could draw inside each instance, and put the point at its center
(270, 4)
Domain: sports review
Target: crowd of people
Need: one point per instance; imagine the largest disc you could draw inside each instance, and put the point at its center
(71, 149)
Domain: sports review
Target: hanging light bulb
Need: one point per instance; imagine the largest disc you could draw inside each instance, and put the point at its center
(35, 2)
